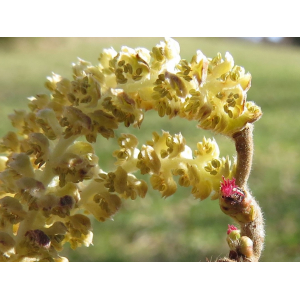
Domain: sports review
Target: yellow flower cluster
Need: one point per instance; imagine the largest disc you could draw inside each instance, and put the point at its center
(167, 156)
(50, 179)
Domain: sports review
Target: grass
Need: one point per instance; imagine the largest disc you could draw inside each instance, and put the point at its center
(181, 228)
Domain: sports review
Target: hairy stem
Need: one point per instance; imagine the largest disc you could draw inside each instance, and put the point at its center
(255, 231)
(244, 148)
(244, 209)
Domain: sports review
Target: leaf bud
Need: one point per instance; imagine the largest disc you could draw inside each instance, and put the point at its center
(246, 246)
(233, 236)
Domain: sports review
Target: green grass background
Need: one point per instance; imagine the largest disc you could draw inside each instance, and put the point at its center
(181, 228)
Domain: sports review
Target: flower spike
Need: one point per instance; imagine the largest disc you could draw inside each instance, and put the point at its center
(52, 181)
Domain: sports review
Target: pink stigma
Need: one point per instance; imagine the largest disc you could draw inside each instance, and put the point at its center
(231, 228)
(228, 187)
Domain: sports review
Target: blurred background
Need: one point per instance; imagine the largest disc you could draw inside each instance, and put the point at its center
(181, 228)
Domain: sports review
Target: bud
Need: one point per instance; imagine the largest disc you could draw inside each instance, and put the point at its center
(233, 236)
(231, 228)
(246, 247)
(235, 202)
(229, 189)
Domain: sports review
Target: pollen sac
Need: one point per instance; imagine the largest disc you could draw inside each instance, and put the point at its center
(165, 55)
(127, 143)
(11, 211)
(104, 205)
(38, 145)
(56, 232)
(79, 231)
(207, 148)
(131, 65)
(77, 164)
(20, 163)
(24, 122)
(85, 91)
(127, 155)
(199, 67)
(9, 142)
(46, 118)
(123, 107)
(148, 160)
(37, 238)
(103, 123)
(176, 146)
(38, 102)
(176, 84)
(60, 206)
(164, 183)
(75, 121)
(120, 181)
(136, 188)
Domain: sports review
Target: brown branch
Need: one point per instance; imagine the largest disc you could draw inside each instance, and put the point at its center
(241, 205)
(255, 230)
(244, 148)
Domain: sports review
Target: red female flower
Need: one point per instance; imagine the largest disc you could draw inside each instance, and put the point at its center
(231, 228)
(228, 188)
